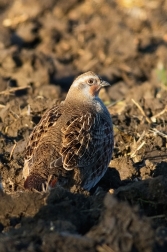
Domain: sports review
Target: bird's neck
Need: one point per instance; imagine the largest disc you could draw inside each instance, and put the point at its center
(78, 100)
(94, 103)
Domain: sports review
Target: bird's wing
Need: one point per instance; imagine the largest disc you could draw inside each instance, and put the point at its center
(49, 118)
(87, 143)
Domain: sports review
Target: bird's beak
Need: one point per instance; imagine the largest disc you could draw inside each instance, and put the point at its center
(104, 84)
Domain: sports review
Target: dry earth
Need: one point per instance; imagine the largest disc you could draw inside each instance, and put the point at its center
(43, 46)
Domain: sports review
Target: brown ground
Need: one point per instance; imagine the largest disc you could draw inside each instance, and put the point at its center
(43, 46)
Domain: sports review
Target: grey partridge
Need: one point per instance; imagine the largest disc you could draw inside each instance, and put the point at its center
(73, 141)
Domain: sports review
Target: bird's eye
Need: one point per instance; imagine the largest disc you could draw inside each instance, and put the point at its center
(91, 81)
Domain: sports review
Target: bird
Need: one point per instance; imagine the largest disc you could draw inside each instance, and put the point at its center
(73, 141)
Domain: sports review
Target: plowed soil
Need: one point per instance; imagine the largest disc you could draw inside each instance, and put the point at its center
(44, 45)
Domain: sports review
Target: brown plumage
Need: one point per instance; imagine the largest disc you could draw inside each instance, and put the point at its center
(73, 141)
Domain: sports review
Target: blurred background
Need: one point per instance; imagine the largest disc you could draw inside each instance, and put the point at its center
(45, 44)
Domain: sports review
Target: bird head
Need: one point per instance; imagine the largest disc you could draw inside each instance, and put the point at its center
(86, 85)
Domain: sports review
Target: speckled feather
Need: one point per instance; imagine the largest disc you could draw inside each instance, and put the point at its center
(48, 119)
(73, 141)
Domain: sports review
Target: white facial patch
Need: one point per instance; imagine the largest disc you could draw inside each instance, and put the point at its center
(82, 79)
